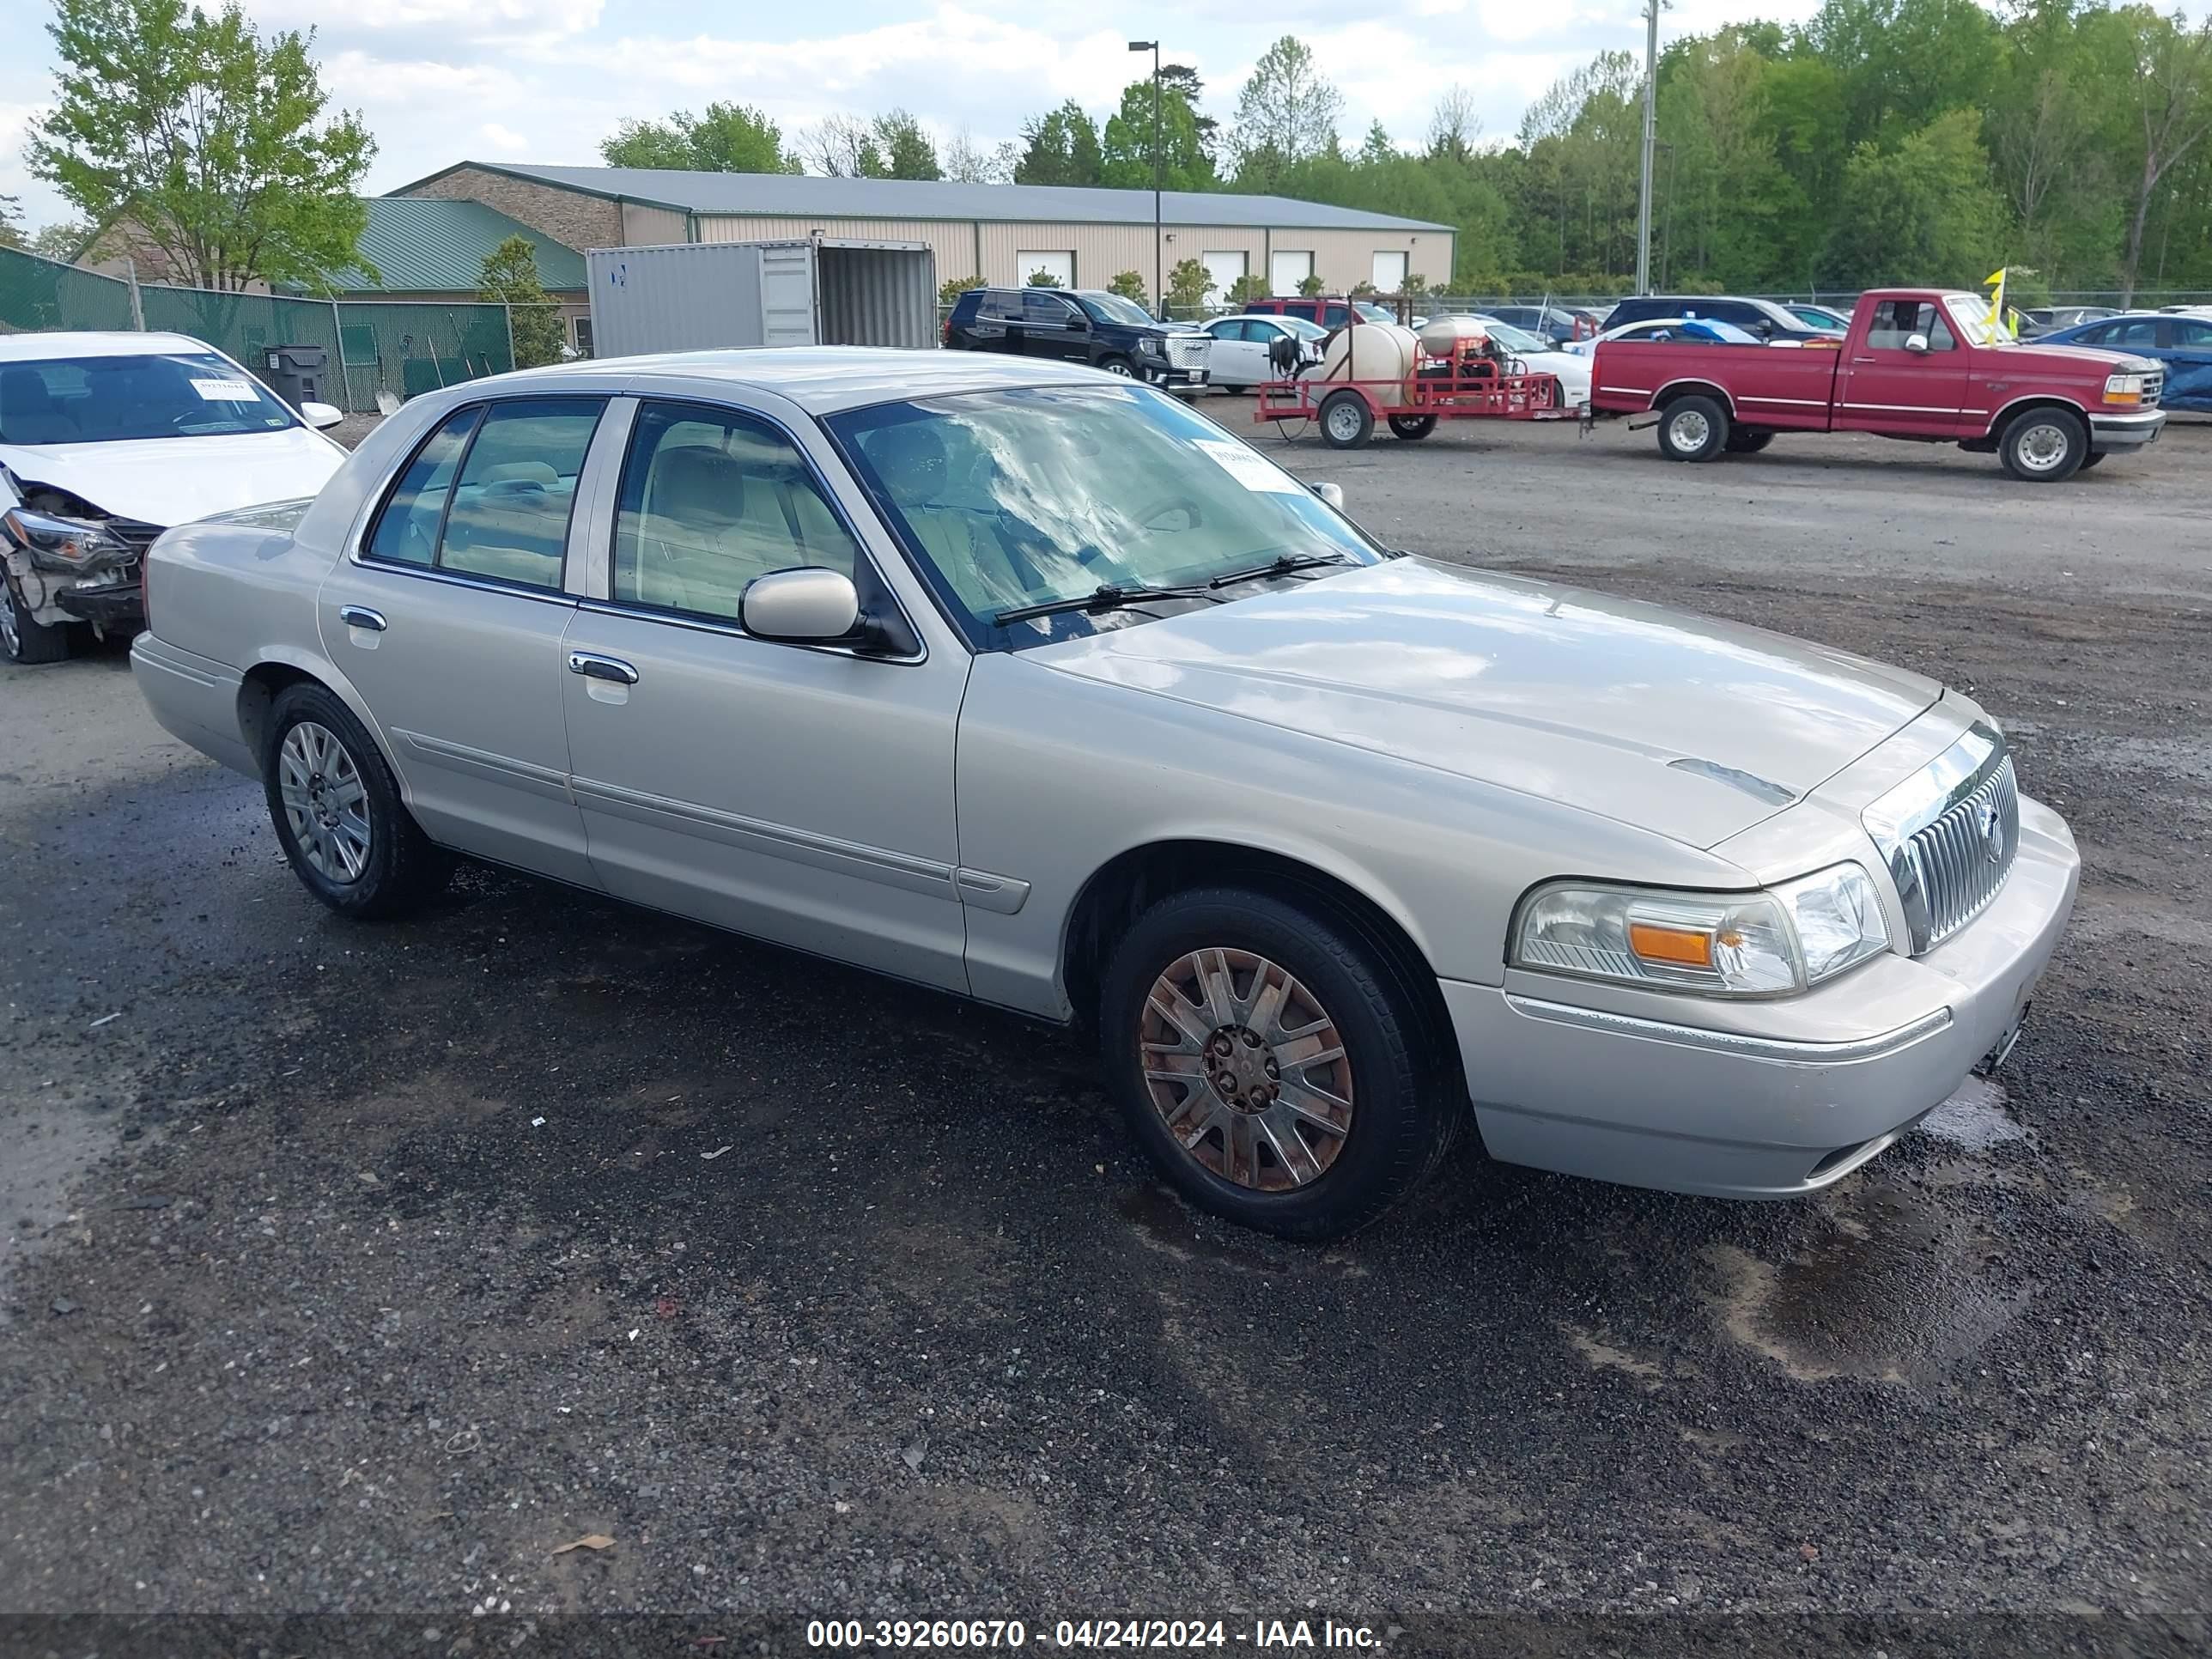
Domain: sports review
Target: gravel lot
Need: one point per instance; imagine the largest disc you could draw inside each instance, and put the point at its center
(352, 1270)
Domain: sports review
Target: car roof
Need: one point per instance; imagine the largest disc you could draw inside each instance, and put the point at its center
(86, 343)
(820, 379)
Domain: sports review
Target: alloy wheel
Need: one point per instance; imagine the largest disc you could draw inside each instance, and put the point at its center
(1246, 1069)
(1691, 429)
(2041, 448)
(326, 803)
(1118, 368)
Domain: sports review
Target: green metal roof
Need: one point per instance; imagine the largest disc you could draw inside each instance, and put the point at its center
(418, 245)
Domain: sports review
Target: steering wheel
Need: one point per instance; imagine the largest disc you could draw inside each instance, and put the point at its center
(1150, 516)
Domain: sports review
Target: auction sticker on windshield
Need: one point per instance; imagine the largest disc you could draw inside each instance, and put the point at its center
(225, 391)
(1255, 472)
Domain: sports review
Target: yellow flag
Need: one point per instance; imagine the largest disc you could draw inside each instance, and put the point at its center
(1993, 277)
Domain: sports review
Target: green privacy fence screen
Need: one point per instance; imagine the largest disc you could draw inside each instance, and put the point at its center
(379, 351)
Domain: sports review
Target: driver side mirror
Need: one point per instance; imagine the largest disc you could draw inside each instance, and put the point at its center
(1916, 342)
(321, 417)
(1331, 493)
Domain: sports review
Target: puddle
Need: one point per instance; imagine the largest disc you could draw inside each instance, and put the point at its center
(1896, 1292)
(1975, 1117)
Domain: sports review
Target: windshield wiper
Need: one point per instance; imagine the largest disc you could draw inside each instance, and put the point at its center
(1286, 565)
(1105, 597)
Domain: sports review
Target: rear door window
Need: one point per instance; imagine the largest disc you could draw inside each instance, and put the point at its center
(406, 531)
(508, 518)
(1000, 306)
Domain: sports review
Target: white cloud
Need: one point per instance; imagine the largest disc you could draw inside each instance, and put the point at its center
(453, 22)
(504, 140)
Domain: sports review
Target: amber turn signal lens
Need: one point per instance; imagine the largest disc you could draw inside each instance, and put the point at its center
(1679, 946)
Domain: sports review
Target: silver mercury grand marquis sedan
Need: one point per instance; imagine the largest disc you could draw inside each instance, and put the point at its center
(1036, 686)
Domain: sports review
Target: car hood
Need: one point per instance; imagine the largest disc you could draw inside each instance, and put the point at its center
(1694, 728)
(2090, 360)
(169, 481)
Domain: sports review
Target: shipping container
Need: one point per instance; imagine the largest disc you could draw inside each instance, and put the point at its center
(690, 296)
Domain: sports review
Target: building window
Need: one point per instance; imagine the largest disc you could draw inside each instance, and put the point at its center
(584, 335)
(1060, 262)
(1288, 268)
(1224, 269)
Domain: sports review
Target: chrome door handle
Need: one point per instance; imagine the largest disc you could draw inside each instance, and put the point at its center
(360, 616)
(593, 667)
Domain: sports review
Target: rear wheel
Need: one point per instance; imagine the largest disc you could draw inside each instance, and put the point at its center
(1275, 1063)
(1346, 422)
(1412, 427)
(24, 640)
(1693, 428)
(2045, 445)
(337, 812)
(1740, 442)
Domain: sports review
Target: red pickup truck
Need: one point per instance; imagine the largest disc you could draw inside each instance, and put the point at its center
(1914, 366)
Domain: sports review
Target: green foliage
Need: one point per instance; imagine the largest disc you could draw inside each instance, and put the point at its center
(1126, 149)
(1311, 284)
(1286, 114)
(1187, 284)
(907, 150)
(213, 142)
(724, 138)
(1921, 213)
(1129, 284)
(60, 240)
(1042, 279)
(952, 287)
(1060, 147)
(510, 278)
(1249, 287)
(11, 222)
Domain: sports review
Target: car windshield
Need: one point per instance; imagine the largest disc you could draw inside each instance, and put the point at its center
(1971, 313)
(1033, 494)
(1113, 308)
(90, 400)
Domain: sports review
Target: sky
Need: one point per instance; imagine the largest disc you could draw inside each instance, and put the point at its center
(542, 80)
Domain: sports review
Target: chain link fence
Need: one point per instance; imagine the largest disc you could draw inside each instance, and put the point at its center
(380, 352)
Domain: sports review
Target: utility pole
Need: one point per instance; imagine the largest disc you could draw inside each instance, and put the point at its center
(1159, 256)
(1650, 133)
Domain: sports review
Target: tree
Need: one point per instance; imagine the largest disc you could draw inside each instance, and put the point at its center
(1126, 149)
(1181, 80)
(11, 222)
(970, 165)
(2173, 88)
(1129, 284)
(1921, 213)
(60, 240)
(510, 278)
(840, 146)
(907, 150)
(1453, 125)
(1249, 287)
(950, 290)
(1188, 283)
(1060, 147)
(724, 138)
(212, 141)
(1311, 284)
(1042, 279)
(1286, 114)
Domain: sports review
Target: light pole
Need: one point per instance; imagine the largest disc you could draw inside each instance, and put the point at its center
(1651, 131)
(1159, 258)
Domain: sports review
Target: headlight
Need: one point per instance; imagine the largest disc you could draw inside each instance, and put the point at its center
(1742, 944)
(67, 544)
(1152, 345)
(2123, 389)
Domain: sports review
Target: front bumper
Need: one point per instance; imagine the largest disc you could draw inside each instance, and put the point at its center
(2127, 431)
(54, 598)
(1161, 374)
(1776, 1112)
(113, 604)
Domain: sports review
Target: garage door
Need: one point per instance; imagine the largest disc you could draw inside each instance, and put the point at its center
(1289, 267)
(1389, 272)
(1060, 262)
(1223, 270)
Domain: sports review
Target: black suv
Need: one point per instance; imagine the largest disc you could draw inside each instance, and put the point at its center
(1762, 317)
(1079, 326)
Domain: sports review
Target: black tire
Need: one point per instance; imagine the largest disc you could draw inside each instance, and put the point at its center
(1353, 423)
(2044, 445)
(400, 868)
(1121, 366)
(22, 640)
(1693, 428)
(1740, 442)
(1406, 1103)
(1412, 427)
(2094, 458)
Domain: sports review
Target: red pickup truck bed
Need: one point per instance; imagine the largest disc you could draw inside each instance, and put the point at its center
(1915, 365)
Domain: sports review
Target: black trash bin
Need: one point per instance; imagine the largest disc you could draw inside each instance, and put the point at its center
(294, 373)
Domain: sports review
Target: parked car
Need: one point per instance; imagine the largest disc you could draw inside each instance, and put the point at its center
(2179, 343)
(1330, 314)
(1249, 349)
(1916, 365)
(1764, 318)
(1557, 324)
(1535, 354)
(1000, 678)
(1081, 325)
(1687, 330)
(1817, 317)
(2044, 320)
(106, 439)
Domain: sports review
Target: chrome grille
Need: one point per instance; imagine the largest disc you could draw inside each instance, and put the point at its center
(1950, 833)
(2153, 388)
(138, 535)
(1189, 351)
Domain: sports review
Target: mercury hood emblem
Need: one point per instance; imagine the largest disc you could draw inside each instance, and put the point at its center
(1991, 824)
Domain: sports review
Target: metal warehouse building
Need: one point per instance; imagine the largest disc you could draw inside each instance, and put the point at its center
(1001, 233)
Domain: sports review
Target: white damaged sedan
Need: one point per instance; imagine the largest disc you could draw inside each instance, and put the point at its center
(1016, 680)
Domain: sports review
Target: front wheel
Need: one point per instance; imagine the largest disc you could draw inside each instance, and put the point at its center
(1693, 428)
(2045, 445)
(1346, 422)
(1274, 1062)
(337, 812)
(1412, 427)
(24, 640)
(1119, 366)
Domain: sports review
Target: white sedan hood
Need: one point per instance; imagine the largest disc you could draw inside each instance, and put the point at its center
(1692, 727)
(171, 480)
